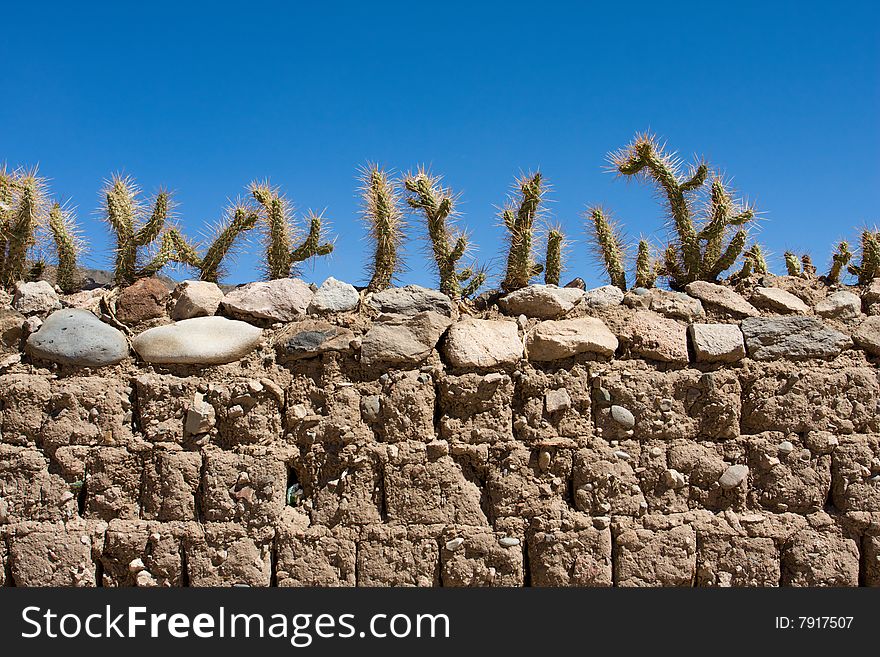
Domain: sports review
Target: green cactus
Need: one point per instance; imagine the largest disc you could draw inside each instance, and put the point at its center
(280, 233)
(239, 220)
(385, 222)
(646, 269)
(125, 214)
(519, 218)
(700, 253)
(68, 245)
(556, 243)
(754, 262)
(869, 268)
(839, 261)
(22, 195)
(793, 264)
(608, 242)
(438, 205)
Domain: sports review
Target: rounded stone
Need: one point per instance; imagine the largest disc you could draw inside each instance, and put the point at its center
(76, 337)
(198, 341)
(623, 417)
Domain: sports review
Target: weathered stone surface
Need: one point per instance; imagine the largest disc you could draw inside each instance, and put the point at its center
(198, 341)
(793, 338)
(195, 299)
(76, 337)
(867, 335)
(482, 558)
(411, 300)
(573, 557)
(280, 300)
(655, 557)
(553, 340)
(841, 305)
(334, 297)
(402, 339)
(652, 336)
(35, 298)
(311, 338)
(820, 557)
(607, 295)
(722, 298)
(717, 343)
(676, 305)
(778, 300)
(737, 561)
(733, 476)
(11, 323)
(142, 300)
(541, 301)
(482, 343)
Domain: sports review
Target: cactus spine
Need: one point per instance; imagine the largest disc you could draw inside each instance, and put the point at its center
(384, 219)
(869, 268)
(23, 196)
(519, 220)
(839, 261)
(553, 260)
(280, 254)
(608, 241)
(700, 253)
(68, 245)
(448, 247)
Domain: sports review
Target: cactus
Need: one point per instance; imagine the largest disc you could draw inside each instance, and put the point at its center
(438, 205)
(792, 264)
(239, 220)
(68, 245)
(869, 268)
(125, 214)
(700, 253)
(519, 218)
(384, 218)
(754, 262)
(839, 260)
(608, 242)
(646, 269)
(22, 195)
(553, 261)
(280, 233)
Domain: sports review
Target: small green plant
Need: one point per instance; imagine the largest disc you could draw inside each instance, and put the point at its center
(839, 261)
(239, 220)
(608, 241)
(869, 268)
(281, 232)
(385, 224)
(448, 245)
(699, 251)
(553, 262)
(647, 269)
(133, 229)
(519, 218)
(754, 262)
(793, 264)
(22, 207)
(68, 246)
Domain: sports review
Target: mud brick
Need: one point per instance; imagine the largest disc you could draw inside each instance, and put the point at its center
(162, 403)
(23, 406)
(224, 555)
(28, 491)
(480, 559)
(89, 411)
(245, 488)
(315, 557)
(248, 412)
(654, 552)
(822, 556)
(406, 408)
(55, 554)
(604, 482)
(855, 473)
(476, 408)
(524, 482)
(171, 480)
(553, 403)
(141, 553)
(796, 481)
(574, 554)
(113, 483)
(390, 555)
(731, 560)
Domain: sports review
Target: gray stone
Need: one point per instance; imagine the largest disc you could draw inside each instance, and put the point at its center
(334, 297)
(556, 339)
(867, 335)
(76, 337)
(281, 300)
(411, 300)
(370, 407)
(793, 337)
(607, 295)
(35, 298)
(311, 338)
(676, 305)
(197, 341)
(717, 343)
(722, 298)
(195, 299)
(733, 476)
(840, 305)
(778, 300)
(402, 339)
(541, 301)
(481, 343)
(623, 417)
(557, 400)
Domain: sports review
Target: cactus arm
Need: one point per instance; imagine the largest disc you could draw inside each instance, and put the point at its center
(646, 271)
(384, 219)
(521, 266)
(869, 268)
(697, 179)
(174, 247)
(312, 246)
(26, 217)
(553, 270)
(475, 283)
(153, 228)
(241, 221)
(609, 244)
(731, 253)
(277, 219)
(839, 261)
(66, 246)
(792, 264)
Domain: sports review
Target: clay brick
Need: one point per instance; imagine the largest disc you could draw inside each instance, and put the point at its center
(725, 560)
(654, 556)
(855, 473)
(406, 408)
(578, 555)
(171, 480)
(480, 560)
(140, 553)
(28, 491)
(315, 557)
(538, 418)
(523, 483)
(476, 408)
(113, 483)
(248, 412)
(820, 557)
(89, 411)
(162, 403)
(798, 481)
(604, 482)
(222, 554)
(55, 554)
(244, 488)
(396, 556)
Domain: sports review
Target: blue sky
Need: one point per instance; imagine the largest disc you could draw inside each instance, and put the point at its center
(784, 97)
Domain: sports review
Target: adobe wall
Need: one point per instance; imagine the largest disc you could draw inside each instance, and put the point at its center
(414, 441)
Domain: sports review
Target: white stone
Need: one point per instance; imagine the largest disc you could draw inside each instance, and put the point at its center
(334, 297)
(195, 299)
(556, 339)
(840, 305)
(607, 295)
(778, 300)
(198, 341)
(482, 343)
(717, 343)
(35, 298)
(722, 297)
(541, 301)
(281, 300)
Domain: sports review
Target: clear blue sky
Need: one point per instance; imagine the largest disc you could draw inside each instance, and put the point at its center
(783, 96)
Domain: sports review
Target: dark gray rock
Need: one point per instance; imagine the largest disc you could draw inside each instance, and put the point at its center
(76, 337)
(792, 337)
(411, 300)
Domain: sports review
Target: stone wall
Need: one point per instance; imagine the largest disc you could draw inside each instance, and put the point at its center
(557, 438)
